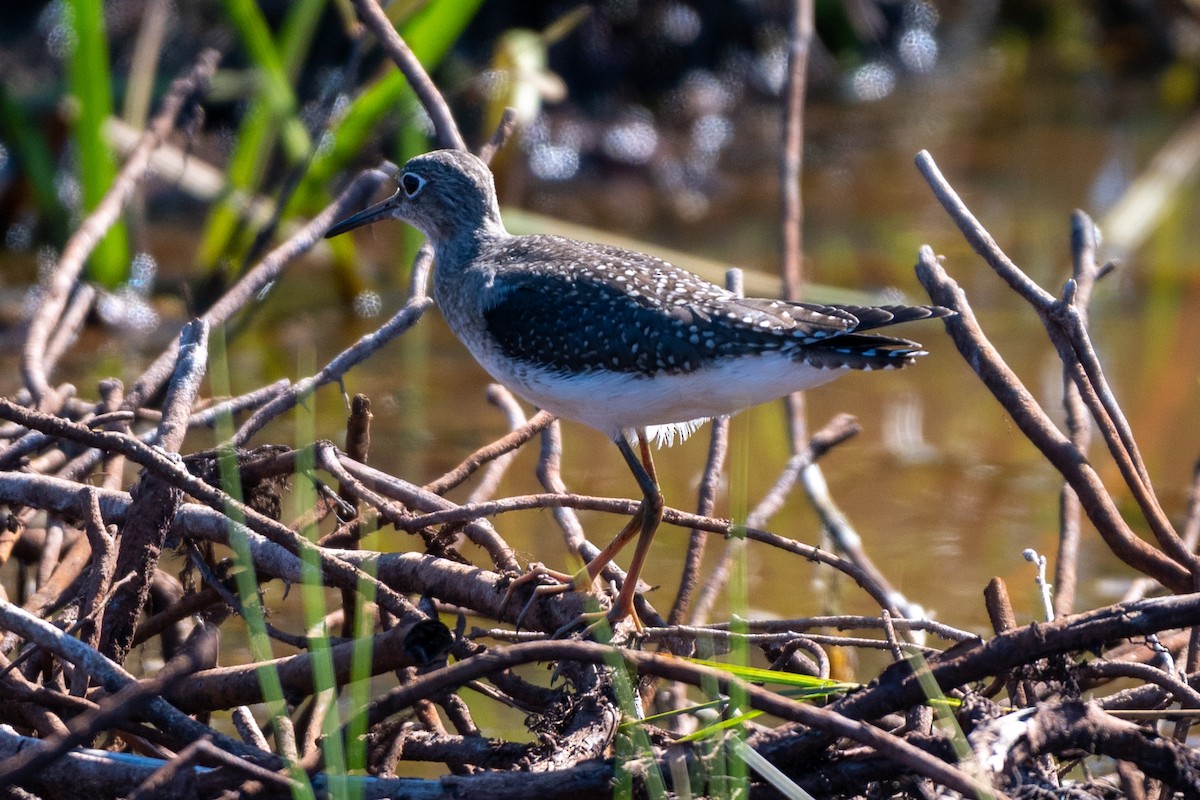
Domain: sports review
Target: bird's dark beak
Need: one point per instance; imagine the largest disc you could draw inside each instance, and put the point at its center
(381, 210)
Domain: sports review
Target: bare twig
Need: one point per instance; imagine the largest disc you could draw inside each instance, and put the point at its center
(676, 669)
(176, 725)
(261, 277)
(507, 443)
(792, 162)
(1036, 425)
(1069, 336)
(1083, 257)
(489, 482)
(706, 498)
(504, 131)
(339, 573)
(670, 516)
(402, 321)
(85, 238)
(1183, 694)
(227, 687)
(479, 532)
(1084, 726)
(838, 430)
(155, 499)
(444, 125)
(98, 584)
(70, 323)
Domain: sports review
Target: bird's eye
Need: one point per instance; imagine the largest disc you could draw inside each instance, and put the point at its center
(412, 184)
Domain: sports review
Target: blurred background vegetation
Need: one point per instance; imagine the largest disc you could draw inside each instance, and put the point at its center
(670, 92)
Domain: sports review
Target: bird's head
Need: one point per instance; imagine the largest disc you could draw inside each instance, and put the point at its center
(444, 194)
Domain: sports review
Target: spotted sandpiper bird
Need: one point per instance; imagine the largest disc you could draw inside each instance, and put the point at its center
(623, 342)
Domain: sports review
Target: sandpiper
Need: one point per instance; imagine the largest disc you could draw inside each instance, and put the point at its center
(623, 342)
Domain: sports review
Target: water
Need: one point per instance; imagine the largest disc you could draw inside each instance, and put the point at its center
(942, 487)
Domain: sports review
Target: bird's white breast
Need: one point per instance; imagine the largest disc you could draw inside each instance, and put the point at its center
(670, 403)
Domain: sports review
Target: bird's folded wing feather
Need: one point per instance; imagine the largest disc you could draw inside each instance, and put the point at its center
(576, 307)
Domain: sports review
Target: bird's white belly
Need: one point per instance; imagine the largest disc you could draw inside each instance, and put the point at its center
(613, 402)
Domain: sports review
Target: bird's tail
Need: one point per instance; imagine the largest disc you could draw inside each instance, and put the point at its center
(871, 317)
(865, 352)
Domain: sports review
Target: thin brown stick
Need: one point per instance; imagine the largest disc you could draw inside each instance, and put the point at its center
(694, 674)
(261, 277)
(489, 482)
(838, 430)
(175, 725)
(338, 572)
(1191, 523)
(227, 687)
(1086, 273)
(444, 126)
(549, 472)
(155, 499)
(898, 687)
(1036, 425)
(504, 131)
(849, 622)
(358, 352)
(792, 162)
(1183, 694)
(92, 230)
(479, 531)
(70, 324)
(505, 444)
(51, 550)
(1073, 341)
(204, 750)
(1000, 613)
(670, 516)
(1069, 336)
(97, 586)
(710, 481)
(1075, 726)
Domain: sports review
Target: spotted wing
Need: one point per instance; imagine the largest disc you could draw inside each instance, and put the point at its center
(580, 325)
(574, 307)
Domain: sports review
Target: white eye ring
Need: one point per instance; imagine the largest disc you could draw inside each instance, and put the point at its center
(412, 184)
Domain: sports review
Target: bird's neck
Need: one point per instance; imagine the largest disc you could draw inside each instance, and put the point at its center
(456, 252)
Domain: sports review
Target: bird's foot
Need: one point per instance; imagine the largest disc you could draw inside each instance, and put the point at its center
(536, 572)
(598, 624)
(562, 582)
(602, 625)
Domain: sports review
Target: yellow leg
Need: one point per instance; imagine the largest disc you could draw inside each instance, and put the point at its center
(649, 516)
(643, 524)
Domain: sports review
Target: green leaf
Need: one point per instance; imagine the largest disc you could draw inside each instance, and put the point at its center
(90, 84)
(272, 114)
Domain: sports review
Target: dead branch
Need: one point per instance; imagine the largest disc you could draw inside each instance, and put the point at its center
(87, 236)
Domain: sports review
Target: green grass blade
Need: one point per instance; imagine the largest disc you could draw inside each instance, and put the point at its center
(274, 109)
(359, 690)
(247, 584)
(36, 162)
(944, 718)
(91, 86)
(635, 745)
(819, 686)
(768, 771)
(275, 86)
(735, 721)
(312, 588)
